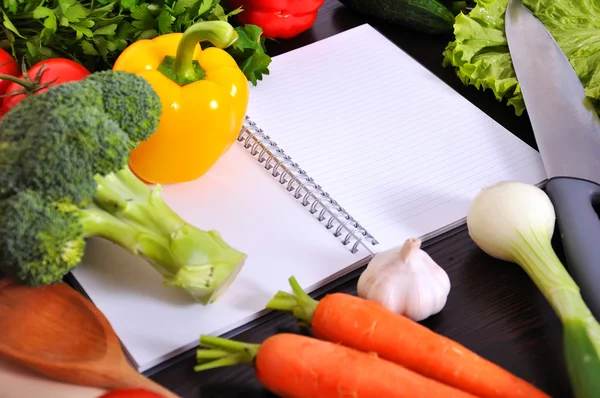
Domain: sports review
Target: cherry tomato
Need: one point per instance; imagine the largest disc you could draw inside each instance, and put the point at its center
(8, 66)
(131, 393)
(56, 71)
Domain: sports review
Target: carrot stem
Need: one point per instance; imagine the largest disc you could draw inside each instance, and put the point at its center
(222, 352)
(211, 354)
(299, 304)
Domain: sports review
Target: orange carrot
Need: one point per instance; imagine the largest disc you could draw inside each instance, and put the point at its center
(368, 326)
(296, 366)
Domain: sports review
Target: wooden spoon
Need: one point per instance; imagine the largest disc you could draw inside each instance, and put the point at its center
(59, 333)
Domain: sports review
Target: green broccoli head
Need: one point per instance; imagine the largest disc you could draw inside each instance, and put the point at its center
(64, 179)
(131, 102)
(28, 114)
(45, 161)
(76, 133)
(40, 241)
(60, 154)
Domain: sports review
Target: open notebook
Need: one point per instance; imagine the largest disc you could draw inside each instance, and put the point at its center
(365, 149)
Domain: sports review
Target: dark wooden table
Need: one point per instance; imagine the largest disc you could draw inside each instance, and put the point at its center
(493, 307)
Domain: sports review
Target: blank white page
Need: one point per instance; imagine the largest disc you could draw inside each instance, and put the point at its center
(399, 149)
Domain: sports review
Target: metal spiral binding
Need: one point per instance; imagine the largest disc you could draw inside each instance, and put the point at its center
(326, 210)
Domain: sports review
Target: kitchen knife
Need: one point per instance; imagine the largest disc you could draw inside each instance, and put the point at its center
(567, 132)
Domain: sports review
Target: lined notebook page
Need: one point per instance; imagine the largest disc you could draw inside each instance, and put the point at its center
(400, 150)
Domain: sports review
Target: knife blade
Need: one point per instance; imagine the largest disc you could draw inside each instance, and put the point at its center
(564, 121)
(567, 132)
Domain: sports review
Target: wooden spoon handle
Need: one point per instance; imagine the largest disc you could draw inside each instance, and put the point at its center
(132, 379)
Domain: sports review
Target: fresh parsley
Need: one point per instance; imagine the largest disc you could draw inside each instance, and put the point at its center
(95, 32)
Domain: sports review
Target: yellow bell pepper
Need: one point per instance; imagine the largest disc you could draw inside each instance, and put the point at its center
(204, 96)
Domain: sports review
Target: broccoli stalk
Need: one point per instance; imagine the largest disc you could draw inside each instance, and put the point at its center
(64, 178)
(127, 212)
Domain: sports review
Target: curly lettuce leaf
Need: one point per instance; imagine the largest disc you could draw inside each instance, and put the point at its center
(480, 51)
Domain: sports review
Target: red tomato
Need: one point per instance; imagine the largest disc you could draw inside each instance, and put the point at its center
(131, 393)
(57, 71)
(8, 66)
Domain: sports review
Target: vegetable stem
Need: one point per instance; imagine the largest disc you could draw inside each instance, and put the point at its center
(222, 352)
(128, 211)
(123, 193)
(100, 223)
(409, 247)
(183, 69)
(97, 222)
(299, 304)
(581, 331)
(540, 262)
(27, 84)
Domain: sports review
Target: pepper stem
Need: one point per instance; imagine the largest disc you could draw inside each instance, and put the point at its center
(299, 304)
(219, 33)
(223, 352)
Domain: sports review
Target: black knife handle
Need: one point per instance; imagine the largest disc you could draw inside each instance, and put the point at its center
(579, 227)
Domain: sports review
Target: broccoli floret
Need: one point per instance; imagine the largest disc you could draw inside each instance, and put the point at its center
(45, 242)
(64, 178)
(121, 102)
(61, 152)
(75, 128)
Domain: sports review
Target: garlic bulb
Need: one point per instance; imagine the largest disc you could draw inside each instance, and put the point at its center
(406, 280)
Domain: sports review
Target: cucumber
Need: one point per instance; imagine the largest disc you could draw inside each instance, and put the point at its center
(427, 16)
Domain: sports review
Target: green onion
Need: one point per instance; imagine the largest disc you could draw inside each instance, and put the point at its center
(514, 222)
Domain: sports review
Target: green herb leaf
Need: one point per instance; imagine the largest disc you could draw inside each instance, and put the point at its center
(219, 13)
(76, 13)
(182, 6)
(64, 6)
(102, 46)
(12, 5)
(108, 30)
(234, 12)
(32, 50)
(249, 38)
(88, 48)
(50, 23)
(126, 31)
(42, 12)
(143, 17)
(250, 54)
(103, 11)
(86, 23)
(147, 34)
(9, 25)
(127, 4)
(205, 7)
(120, 44)
(255, 66)
(165, 21)
(81, 31)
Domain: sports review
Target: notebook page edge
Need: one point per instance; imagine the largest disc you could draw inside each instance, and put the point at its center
(239, 327)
